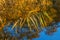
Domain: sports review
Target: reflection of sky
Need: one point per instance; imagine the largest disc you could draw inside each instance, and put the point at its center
(8, 29)
(43, 35)
(55, 36)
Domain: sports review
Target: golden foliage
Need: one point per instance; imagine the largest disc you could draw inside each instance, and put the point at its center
(27, 12)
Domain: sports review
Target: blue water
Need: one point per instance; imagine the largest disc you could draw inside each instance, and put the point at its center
(55, 36)
(42, 34)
